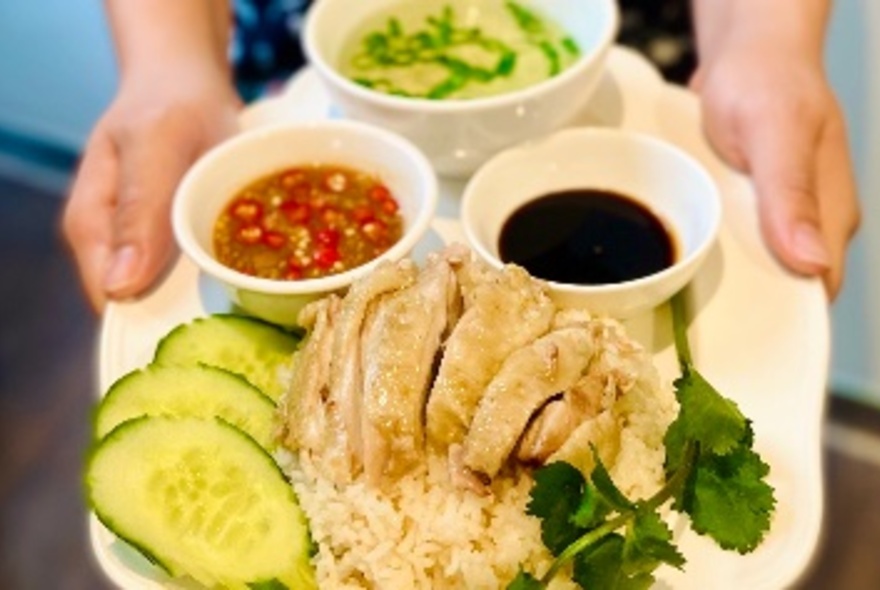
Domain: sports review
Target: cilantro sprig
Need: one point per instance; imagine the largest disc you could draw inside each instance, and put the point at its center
(712, 475)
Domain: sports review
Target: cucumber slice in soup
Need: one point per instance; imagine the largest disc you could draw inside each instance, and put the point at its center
(197, 391)
(201, 499)
(256, 349)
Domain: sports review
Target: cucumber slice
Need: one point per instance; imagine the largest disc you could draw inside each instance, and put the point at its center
(198, 391)
(256, 349)
(201, 499)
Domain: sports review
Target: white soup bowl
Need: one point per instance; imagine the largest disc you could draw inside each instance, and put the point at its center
(458, 136)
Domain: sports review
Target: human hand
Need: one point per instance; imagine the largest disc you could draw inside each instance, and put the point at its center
(117, 219)
(770, 112)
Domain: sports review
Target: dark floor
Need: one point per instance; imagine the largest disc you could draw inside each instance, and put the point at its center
(47, 343)
(47, 336)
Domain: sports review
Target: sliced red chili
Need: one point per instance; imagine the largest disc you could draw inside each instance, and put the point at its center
(379, 192)
(293, 271)
(326, 257)
(328, 237)
(274, 239)
(301, 191)
(362, 214)
(296, 212)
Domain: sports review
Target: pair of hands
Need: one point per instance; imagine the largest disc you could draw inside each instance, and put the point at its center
(774, 118)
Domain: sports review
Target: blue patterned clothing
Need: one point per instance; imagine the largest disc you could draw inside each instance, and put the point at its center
(266, 42)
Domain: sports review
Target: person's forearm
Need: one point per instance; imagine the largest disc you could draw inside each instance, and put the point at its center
(151, 35)
(798, 24)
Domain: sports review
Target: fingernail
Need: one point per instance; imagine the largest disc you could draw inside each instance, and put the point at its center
(121, 269)
(810, 247)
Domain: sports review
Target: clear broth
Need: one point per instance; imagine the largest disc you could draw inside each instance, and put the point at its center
(541, 47)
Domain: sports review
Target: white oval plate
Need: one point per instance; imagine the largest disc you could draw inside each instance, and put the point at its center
(759, 334)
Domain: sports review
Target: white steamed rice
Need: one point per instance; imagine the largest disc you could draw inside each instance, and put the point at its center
(424, 534)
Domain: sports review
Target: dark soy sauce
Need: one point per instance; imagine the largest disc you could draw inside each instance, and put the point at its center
(586, 237)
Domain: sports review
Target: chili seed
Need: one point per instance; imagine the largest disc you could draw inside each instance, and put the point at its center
(336, 182)
(374, 230)
(250, 234)
(246, 210)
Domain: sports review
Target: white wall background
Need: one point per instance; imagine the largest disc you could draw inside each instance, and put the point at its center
(57, 70)
(57, 73)
(855, 72)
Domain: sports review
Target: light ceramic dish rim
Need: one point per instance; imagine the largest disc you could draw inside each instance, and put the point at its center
(586, 60)
(190, 246)
(518, 152)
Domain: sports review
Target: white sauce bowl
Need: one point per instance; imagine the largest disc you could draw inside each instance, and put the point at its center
(222, 172)
(660, 176)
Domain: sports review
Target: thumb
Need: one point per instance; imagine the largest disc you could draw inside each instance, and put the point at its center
(143, 244)
(88, 214)
(781, 157)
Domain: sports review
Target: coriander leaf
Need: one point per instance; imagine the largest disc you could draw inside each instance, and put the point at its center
(648, 544)
(731, 502)
(525, 581)
(704, 416)
(602, 480)
(555, 498)
(592, 510)
(601, 566)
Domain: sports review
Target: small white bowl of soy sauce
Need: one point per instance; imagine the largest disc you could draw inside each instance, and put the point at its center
(616, 222)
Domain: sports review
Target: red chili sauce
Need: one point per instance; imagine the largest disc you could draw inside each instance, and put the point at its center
(307, 222)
